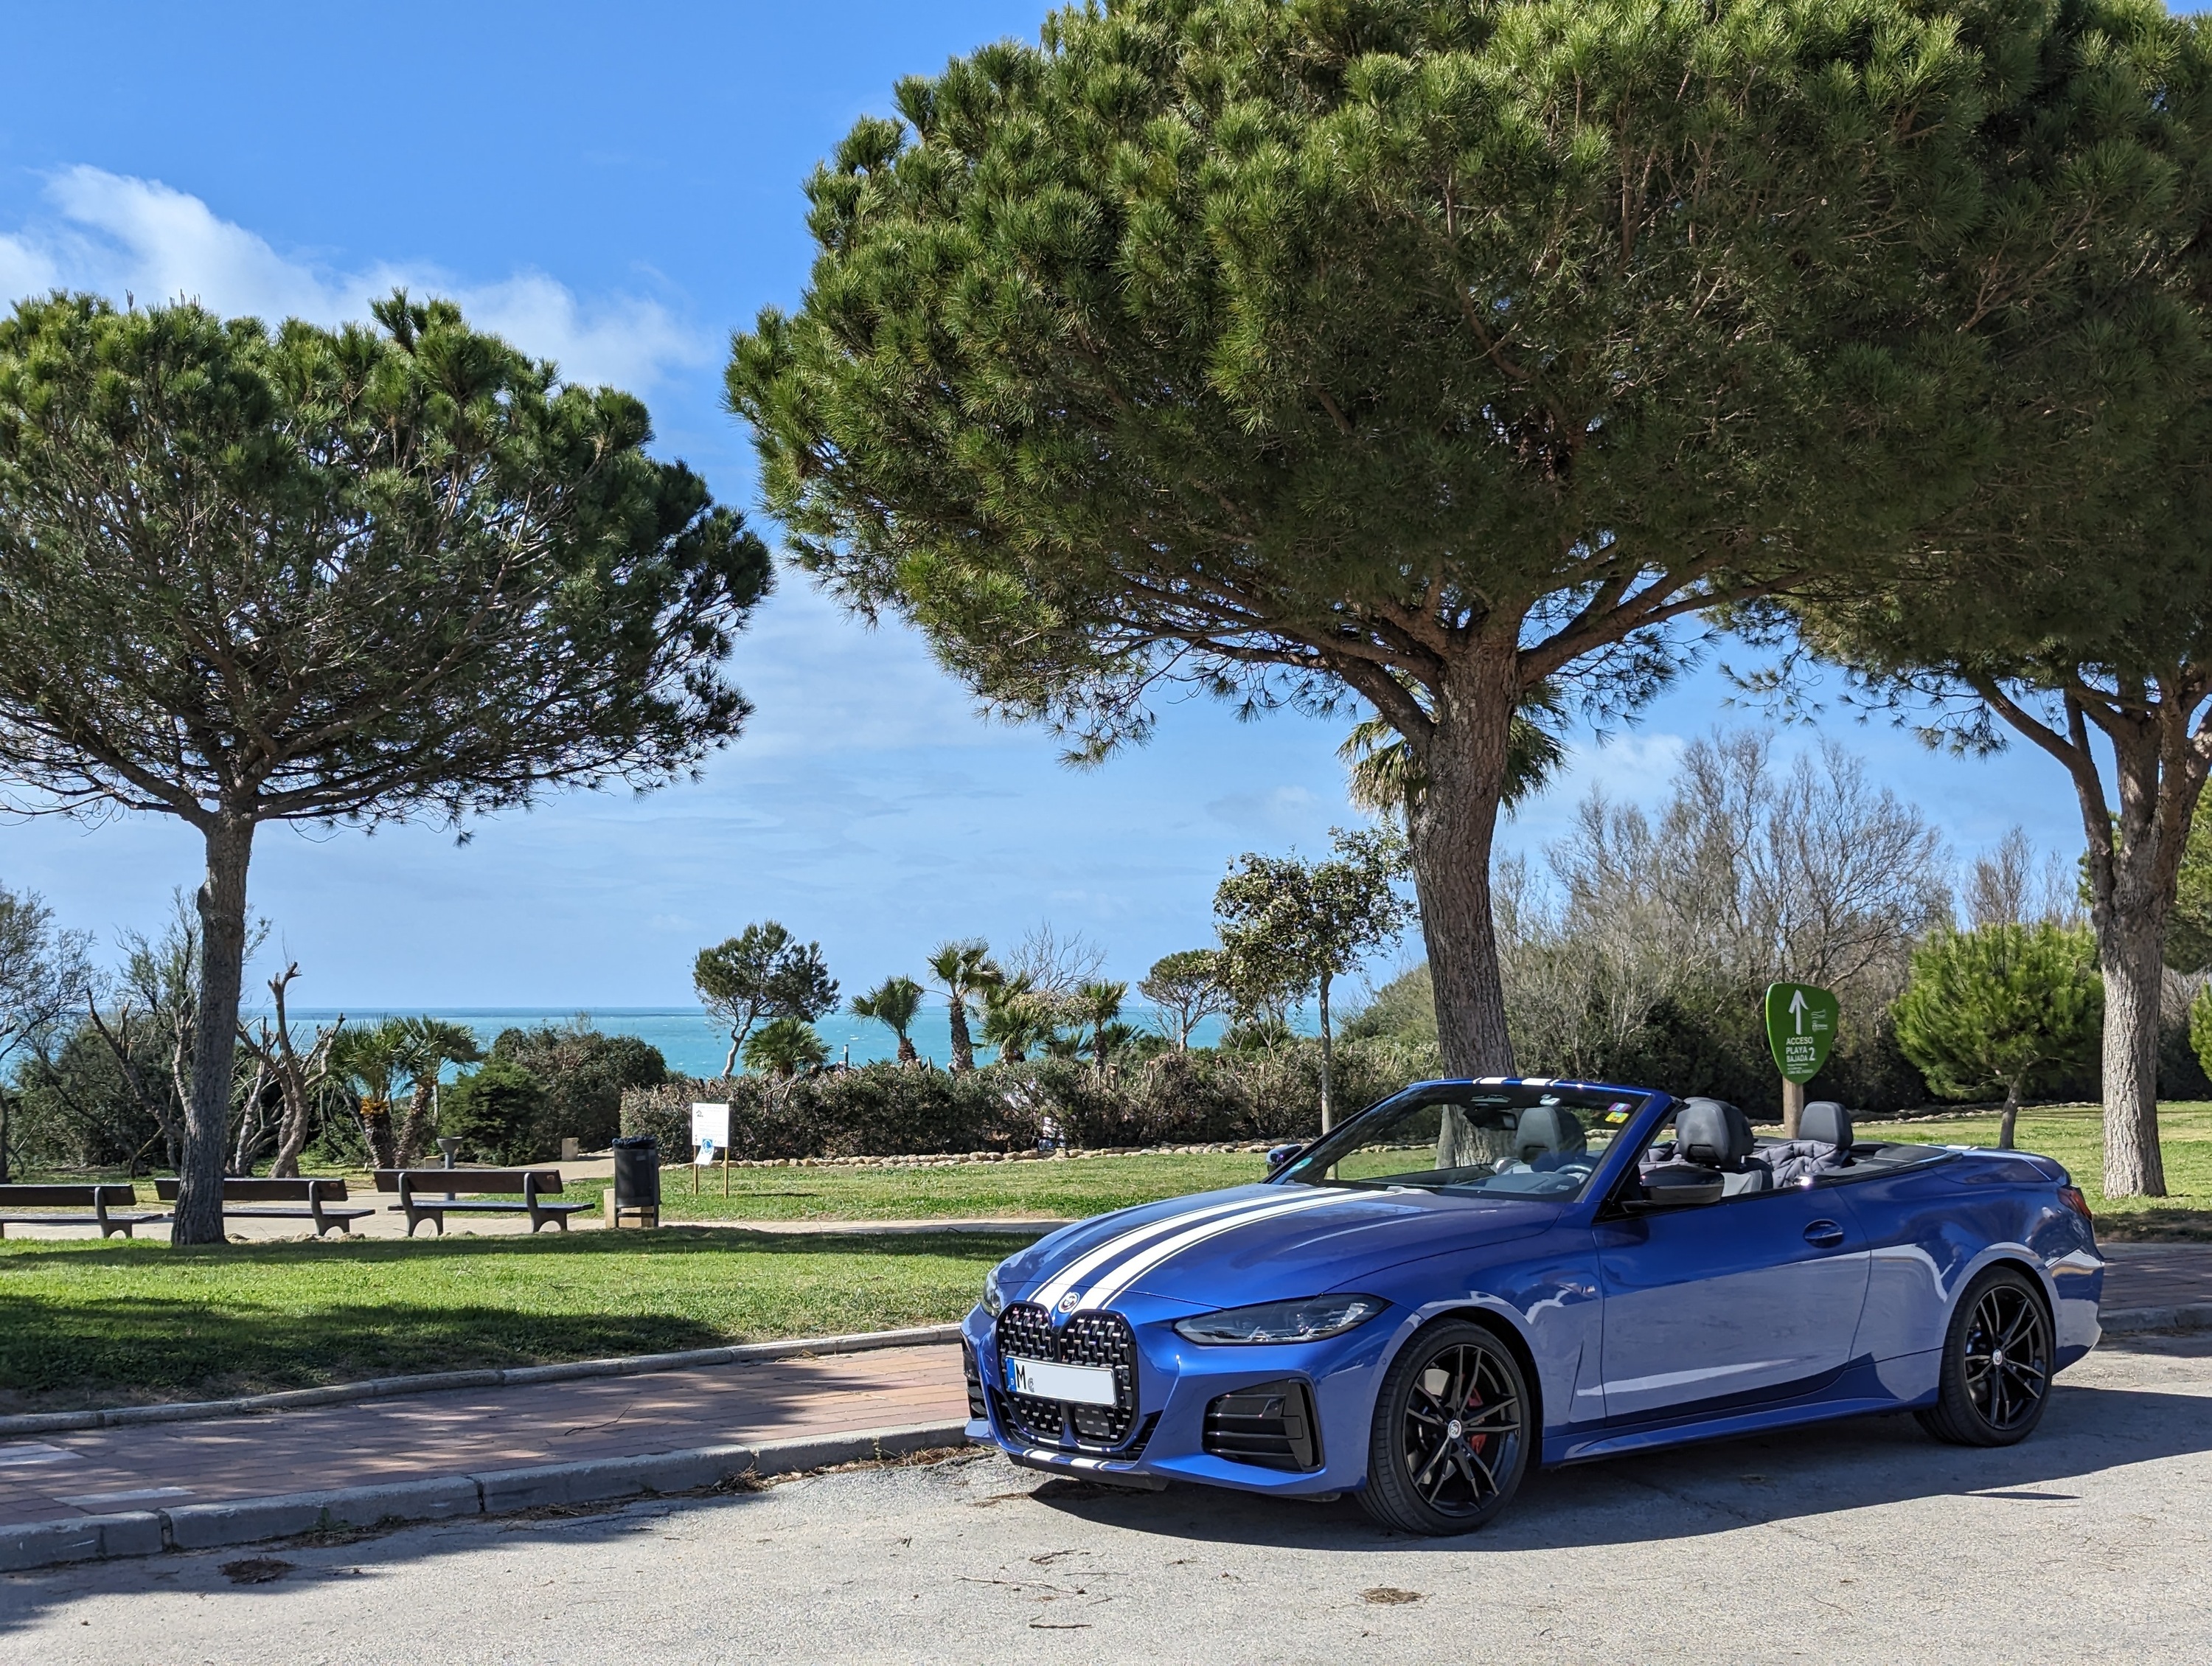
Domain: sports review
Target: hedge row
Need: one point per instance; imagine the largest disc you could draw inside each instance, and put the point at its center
(891, 1111)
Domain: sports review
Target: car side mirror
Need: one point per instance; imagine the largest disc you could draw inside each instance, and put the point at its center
(1676, 1189)
(1280, 1157)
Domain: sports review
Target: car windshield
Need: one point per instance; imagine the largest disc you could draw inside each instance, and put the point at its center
(1522, 1139)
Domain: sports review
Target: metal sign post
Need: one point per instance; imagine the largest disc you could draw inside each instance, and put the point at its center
(1801, 1032)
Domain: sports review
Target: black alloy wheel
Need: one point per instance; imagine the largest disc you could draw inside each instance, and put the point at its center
(1995, 1378)
(1450, 1440)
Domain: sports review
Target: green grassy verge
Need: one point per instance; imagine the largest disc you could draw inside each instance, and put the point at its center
(1051, 1189)
(88, 1324)
(2075, 1135)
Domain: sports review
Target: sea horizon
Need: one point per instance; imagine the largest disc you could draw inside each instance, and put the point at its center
(694, 1044)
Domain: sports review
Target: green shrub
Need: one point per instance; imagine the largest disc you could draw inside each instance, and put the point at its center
(494, 1112)
(890, 1109)
(585, 1075)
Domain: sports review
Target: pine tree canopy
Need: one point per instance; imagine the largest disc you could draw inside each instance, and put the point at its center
(1422, 351)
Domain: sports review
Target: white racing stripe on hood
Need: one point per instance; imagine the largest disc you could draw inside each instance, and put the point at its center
(1049, 1292)
(1137, 1266)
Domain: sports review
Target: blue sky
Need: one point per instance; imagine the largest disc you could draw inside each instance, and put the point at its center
(616, 188)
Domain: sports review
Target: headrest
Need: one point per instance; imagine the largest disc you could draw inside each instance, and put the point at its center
(1826, 1120)
(1712, 1134)
(1543, 1129)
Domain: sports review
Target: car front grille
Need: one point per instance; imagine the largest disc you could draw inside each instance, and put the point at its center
(1025, 1332)
(1270, 1424)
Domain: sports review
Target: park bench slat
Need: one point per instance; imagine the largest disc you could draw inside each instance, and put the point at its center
(311, 1195)
(101, 1200)
(430, 1194)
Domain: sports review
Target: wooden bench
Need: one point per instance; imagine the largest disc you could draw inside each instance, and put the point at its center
(281, 1200)
(100, 1199)
(432, 1194)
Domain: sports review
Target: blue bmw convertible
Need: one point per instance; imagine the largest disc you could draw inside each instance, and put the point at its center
(1472, 1277)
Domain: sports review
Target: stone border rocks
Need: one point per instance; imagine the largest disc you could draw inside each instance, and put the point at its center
(604, 1480)
(2139, 1321)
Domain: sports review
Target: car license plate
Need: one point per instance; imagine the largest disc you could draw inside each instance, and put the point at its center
(1086, 1385)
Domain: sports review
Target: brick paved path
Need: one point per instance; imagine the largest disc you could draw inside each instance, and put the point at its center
(2157, 1274)
(95, 1471)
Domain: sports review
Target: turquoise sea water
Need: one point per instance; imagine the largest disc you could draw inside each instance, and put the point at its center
(690, 1040)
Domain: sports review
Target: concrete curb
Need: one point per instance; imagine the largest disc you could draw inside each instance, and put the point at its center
(2135, 1321)
(445, 1498)
(382, 1387)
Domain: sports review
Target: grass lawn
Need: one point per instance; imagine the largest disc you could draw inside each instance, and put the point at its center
(2075, 1135)
(1048, 1189)
(86, 1323)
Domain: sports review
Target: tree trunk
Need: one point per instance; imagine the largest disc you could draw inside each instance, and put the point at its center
(2009, 1115)
(292, 1136)
(964, 1049)
(1327, 1059)
(2129, 954)
(223, 965)
(2133, 863)
(1451, 823)
(376, 1128)
(409, 1145)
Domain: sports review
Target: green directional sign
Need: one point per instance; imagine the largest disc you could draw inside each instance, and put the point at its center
(1801, 1029)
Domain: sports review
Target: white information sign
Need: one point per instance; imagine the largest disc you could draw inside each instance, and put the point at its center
(710, 1131)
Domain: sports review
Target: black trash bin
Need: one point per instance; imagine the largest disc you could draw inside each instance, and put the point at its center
(636, 1199)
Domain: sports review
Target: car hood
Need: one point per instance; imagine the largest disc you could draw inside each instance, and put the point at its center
(1257, 1243)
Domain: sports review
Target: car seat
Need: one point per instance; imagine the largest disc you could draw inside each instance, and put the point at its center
(1714, 1135)
(1827, 1123)
(1546, 1131)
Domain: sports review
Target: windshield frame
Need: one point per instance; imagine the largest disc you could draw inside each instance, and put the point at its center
(1347, 1138)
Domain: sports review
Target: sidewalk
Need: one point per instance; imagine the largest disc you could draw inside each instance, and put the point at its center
(376, 1442)
(2156, 1275)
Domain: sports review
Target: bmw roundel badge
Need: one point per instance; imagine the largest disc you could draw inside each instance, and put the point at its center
(1068, 1302)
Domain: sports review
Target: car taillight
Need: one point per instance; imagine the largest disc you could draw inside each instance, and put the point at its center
(2072, 1198)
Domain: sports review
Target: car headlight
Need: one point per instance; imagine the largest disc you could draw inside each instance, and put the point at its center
(994, 1299)
(1307, 1321)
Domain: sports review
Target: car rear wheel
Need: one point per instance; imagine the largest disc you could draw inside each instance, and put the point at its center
(1994, 1379)
(1450, 1439)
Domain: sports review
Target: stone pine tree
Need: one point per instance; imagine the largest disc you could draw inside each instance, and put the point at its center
(1185, 987)
(1415, 355)
(763, 972)
(339, 577)
(2069, 605)
(1291, 929)
(1998, 1007)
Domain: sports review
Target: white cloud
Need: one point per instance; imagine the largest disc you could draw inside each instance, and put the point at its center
(116, 235)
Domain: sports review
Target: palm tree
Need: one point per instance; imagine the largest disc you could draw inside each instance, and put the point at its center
(1016, 1017)
(372, 1058)
(1384, 775)
(428, 1046)
(963, 969)
(893, 1002)
(781, 1048)
(1098, 1004)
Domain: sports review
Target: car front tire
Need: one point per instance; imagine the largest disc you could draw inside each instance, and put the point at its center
(1995, 1380)
(1452, 1431)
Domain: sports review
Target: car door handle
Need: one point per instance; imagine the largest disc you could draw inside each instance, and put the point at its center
(1825, 1234)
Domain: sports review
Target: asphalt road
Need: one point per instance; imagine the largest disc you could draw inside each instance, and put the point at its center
(1861, 1541)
